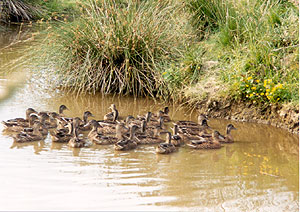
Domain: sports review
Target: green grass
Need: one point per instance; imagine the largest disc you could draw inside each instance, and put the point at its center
(188, 51)
(253, 42)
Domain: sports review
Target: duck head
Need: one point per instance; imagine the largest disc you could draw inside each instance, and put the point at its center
(61, 109)
(166, 110)
(229, 128)
(86, 115)
(30, 111)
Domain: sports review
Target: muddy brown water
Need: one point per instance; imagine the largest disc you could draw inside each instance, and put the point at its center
(259, 172)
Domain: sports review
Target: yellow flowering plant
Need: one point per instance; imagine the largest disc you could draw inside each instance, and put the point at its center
(262, 91)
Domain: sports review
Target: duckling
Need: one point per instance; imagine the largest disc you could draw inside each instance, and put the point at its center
(60, 135)
(32, 136)
(100, 138)
(21, 121)
(166, 147)
(127, 143)
(228, 137)
(206, 143)
(112, 116)
(176, 139)
(16, 127)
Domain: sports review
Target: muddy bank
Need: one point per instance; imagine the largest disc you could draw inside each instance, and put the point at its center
(280, 116)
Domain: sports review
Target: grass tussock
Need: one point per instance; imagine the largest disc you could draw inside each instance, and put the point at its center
(32, 10)
(116, 47)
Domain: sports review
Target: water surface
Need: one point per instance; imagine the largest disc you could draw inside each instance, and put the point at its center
(259, 172)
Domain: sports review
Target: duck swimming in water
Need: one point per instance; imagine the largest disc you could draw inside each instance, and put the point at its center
(207, 143)
(127, 143)
(228, 137)
(36, 135)
(113, 115)
(166, 147)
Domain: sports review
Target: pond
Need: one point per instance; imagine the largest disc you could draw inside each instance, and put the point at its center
(260, 171)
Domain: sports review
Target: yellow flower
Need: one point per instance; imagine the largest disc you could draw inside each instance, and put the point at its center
(268, 90)
(251, 95)
(164, 73)
(253, 88)
(269, 80)
(261, 94)
(278, 99)
(247, 86)
(247, 96)
(279, 85)
(257, 81)
(249, 78)
(267, 93)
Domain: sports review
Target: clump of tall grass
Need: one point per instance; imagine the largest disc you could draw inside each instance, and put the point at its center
(17, 10)
(116, 47)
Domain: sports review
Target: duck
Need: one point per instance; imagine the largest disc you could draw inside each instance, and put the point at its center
(149, 136)
(36, 135)
(18, 127)
(166, 147)
(109, 127)
(176, 139)
(185, 123)
(113, 115)
(228, 137)
(207, 143)
(61, 110)
(199, 129)
(158, 124)
(127, 143)
(84, 124)
(166, 114)
(21, 121)
(75, 141)
(99, 138)
(145, 117)
(60, 135)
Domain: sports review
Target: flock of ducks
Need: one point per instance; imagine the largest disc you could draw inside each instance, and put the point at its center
(123, 134)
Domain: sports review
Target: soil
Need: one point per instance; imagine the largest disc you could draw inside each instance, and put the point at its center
(280, 116)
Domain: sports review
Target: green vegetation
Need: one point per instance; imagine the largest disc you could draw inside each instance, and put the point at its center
(187, 51)
(255, 46)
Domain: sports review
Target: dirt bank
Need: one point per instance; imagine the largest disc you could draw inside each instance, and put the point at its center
(280, 116)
